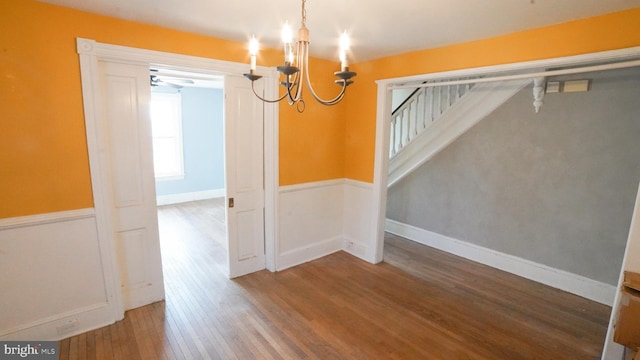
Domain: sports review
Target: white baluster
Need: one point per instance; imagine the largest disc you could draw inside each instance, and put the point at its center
(423, 109)
(431, 103)
(415, 115)
(392, 133)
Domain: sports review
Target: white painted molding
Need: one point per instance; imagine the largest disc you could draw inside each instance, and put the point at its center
(355, 248)
(78, 321)
(359, 184)
(539, 85)
(560, 279)
(190, 196)
(169, 60)
(271, 172)
(632, 53)
(310, 185)
(39, 219)
(630, 262)
(309, 253)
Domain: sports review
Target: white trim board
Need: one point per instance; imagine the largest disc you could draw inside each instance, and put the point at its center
(39, 219)
(312, 252)
(560, 279)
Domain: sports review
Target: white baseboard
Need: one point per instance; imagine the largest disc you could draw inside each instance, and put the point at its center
(191, 196)
(309, 253)
(560, 279)
(355, 248)
(62, 326)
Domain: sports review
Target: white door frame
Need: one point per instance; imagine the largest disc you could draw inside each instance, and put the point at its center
(90, 52)
(383, 120)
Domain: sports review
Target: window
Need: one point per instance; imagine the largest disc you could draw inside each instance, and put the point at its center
(166, 123)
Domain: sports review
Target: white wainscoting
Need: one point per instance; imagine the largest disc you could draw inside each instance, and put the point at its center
(52, 283)
(560, 279)
(358, 218)
(320, 218)
(310, 222)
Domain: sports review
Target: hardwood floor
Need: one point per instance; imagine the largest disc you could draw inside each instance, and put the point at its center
(419, 304)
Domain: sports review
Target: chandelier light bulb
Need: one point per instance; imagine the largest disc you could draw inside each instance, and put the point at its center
(345, 42)
(253, 51)
(253, 46)
(287, 34)
(287, 39)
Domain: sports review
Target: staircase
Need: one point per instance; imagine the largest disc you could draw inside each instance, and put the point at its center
(433, 117)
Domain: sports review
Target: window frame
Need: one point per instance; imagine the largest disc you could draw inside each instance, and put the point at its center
(175, 99)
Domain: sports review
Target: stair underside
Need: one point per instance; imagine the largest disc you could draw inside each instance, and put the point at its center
(482, 100)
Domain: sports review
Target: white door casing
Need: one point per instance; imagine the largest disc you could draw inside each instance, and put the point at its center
(244, 164)
(125, 95)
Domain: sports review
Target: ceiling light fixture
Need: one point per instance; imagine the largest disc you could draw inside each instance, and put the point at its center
(296, 76)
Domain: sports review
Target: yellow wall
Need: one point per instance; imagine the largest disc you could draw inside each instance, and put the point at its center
(607, 32)
(44, 162)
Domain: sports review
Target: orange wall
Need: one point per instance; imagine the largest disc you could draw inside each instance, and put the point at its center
(44, 162)
(312, 143)
(607, 32)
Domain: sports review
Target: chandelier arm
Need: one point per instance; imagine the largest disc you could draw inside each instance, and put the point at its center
(299, 79)
(313, 93)
(295, 83)
(263, 99)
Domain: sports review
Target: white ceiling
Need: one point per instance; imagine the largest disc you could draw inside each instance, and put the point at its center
(378, 28)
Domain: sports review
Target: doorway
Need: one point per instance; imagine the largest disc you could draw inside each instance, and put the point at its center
(625, 58)
(187, 121)
(97, 124)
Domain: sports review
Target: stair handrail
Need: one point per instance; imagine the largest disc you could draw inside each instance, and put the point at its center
(407, 99)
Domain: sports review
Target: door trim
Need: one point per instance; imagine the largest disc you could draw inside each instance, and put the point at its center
(90, 52)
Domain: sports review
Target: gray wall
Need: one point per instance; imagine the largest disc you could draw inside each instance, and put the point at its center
(556, 188)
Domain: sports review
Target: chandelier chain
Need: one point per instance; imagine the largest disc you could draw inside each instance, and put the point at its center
(304, 14)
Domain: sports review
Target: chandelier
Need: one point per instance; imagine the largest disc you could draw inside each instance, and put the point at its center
(296, 67)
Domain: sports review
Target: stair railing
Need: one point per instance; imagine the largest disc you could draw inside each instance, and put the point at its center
(421, 109)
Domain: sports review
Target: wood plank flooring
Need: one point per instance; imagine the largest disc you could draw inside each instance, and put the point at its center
(419, 304)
